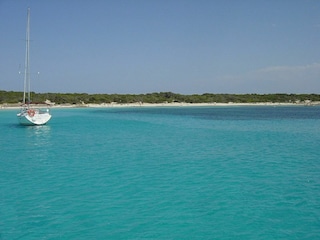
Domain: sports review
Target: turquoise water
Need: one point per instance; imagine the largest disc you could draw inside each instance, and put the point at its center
(162, 173)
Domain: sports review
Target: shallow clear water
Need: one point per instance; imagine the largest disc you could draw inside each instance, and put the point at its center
(162, 173)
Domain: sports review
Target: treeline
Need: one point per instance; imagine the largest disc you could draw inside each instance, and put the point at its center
(78, 98)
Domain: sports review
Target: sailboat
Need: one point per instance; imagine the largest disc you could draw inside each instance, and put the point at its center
(29, 115)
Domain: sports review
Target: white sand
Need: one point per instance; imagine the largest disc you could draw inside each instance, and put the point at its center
(114, 105)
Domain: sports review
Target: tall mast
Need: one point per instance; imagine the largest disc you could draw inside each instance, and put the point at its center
(26, 64)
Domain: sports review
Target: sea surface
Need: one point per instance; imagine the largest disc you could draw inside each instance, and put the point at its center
(162, 173)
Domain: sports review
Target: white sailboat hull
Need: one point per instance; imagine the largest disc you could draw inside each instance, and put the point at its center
(36, 118)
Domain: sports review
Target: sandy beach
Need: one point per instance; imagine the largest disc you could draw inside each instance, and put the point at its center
(175, 104)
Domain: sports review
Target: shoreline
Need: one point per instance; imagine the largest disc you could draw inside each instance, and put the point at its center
(120, 105)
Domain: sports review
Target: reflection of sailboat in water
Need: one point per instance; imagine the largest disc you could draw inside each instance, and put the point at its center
(41, 142)
(29, 115)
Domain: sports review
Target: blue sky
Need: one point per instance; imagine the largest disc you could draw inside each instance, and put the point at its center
(144, 46)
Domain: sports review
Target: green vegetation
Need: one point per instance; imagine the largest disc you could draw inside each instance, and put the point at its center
(162, 97)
